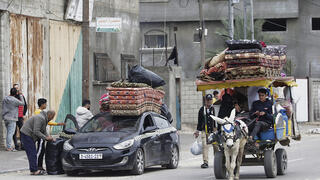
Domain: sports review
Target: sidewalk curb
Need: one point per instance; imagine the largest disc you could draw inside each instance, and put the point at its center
(13, 170)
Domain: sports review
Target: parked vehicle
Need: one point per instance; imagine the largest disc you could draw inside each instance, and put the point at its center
(284, 127)
(121, 143)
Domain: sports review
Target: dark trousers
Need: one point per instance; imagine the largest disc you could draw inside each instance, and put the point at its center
(258, 126)
(31, 151)
(40, 152)
(15, 139)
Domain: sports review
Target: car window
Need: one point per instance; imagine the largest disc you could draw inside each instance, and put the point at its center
(70, 123)
(108, 123)
(148, 122)
(160, 122)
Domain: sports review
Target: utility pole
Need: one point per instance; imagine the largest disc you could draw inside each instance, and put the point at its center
(245, 19)
(231, 24)
(85, 49)
(202, 34)
(252, 21)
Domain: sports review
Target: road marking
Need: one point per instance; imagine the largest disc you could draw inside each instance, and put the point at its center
(190, 159)
(209, 177)
(293, 160)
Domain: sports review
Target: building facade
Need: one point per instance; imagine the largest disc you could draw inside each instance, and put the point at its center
(41, 49)
(296, 22)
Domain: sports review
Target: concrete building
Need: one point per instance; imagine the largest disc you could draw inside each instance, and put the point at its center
(296, 22)
(41, 49)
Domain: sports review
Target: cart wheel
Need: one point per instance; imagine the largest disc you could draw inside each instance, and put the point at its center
(282, 161)
(219, 165)
(270, 164)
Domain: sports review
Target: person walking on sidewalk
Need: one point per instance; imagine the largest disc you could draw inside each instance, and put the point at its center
(10, 106)
(204, 114)
(22, 110)
(33, 130)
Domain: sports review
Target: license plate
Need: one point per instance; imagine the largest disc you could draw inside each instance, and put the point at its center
(90, 156)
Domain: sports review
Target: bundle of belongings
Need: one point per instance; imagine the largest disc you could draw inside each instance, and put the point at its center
(142, 93)
(245, 59)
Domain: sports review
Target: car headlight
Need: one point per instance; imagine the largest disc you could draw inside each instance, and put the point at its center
(124, 144)
(67, 146)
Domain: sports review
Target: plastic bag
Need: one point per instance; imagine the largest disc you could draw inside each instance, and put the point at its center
(166, 113)
(196, 148)
(138, 74)
(53, 154)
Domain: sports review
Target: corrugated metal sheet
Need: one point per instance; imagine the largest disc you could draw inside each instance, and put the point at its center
(35, 62)
(18, 46)
(65, 71)
(27, 57)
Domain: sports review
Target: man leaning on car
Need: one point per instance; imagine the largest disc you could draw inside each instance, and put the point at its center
(34, 129)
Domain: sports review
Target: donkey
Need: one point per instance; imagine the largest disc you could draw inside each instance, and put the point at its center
(234, 136)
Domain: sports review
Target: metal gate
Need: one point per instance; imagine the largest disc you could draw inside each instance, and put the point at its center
(26, 46)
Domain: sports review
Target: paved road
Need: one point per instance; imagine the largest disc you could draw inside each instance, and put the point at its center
(304, 164)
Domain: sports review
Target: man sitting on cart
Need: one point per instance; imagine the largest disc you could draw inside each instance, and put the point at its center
(204, 115)
(261, 111)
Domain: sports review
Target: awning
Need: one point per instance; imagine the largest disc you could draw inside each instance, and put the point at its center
(263, 82)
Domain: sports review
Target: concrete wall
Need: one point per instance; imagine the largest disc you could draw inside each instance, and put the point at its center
(191, 102)
(125, 42)
(188, 51)
(185, 10)
(301, 40)
(36, 8)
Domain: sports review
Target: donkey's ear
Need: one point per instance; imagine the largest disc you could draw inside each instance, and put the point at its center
(219, 120)
(232, 115)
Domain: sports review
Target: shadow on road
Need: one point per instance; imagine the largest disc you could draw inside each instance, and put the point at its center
(109, 173)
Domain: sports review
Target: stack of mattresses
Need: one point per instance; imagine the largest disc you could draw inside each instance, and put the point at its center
(248, 59)
(133, 99)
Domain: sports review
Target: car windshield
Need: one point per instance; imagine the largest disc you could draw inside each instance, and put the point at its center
(108, 123)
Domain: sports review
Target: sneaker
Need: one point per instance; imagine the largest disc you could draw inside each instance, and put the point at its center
(204, 165)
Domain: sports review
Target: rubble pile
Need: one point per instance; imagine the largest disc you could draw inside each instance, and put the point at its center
(245, 59)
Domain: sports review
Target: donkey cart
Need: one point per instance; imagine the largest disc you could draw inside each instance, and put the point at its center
(261, 151)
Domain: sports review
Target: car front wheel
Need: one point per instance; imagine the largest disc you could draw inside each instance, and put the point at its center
(138, 167)
(174, 159)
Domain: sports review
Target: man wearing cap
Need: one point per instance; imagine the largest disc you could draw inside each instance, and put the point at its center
(204, 115)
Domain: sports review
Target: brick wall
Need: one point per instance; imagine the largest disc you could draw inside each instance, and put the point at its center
(191, 101)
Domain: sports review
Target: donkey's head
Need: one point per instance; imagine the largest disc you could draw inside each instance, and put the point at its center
(228, 128)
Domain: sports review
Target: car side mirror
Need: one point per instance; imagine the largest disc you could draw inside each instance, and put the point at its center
(150, 129)
(70, 131)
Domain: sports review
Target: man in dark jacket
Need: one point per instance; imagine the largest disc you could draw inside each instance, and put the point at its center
(22, 110)
(33, 130)
(261, 111)
(203, 116)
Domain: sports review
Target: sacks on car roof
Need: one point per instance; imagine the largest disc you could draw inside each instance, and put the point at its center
(166, 113)
(138, 74)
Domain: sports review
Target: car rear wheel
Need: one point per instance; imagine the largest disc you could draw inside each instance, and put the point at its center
(138, 167)
(174, 159)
